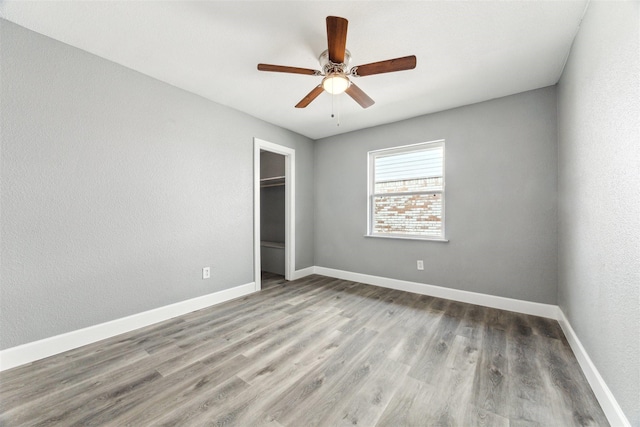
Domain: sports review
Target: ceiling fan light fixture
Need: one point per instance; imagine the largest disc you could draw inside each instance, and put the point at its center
(335, 83)
(334, 63)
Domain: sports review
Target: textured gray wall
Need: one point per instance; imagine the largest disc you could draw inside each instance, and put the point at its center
(599, 193)
(501, 207)
(117, 189)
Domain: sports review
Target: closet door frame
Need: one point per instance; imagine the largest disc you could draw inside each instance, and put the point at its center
(290, 208)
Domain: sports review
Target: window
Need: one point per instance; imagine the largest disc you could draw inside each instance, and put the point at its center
(406, 191)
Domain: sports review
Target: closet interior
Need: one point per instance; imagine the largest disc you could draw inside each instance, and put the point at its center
(272, 212)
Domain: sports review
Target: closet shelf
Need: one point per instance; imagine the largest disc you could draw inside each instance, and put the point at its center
(266, 244)
(275, 181)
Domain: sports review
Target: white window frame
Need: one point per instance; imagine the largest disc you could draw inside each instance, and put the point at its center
(371, 187)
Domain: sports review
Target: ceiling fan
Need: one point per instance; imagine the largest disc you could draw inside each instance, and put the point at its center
(335, 67)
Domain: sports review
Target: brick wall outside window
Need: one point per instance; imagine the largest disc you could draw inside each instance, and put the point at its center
(410, 214)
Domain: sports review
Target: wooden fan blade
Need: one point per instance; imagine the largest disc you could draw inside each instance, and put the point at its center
(337, 38)
(285, 69)
(388, 66)
(310, 97)
(359, 96)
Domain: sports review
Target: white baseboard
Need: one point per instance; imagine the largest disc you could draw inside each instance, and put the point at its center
(520, 306)
(299, 274)
(606, 399)
(29, 352)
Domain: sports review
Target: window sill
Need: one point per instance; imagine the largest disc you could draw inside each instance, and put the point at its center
(422, 239)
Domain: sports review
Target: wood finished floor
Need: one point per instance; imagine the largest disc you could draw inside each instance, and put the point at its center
(317, 351)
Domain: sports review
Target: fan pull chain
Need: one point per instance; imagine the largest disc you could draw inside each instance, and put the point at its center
(333, 98)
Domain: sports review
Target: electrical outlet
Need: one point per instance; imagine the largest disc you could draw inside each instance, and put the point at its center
(420, 264)
(206, 272)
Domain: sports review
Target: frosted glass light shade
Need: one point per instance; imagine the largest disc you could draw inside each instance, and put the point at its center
(335, 83)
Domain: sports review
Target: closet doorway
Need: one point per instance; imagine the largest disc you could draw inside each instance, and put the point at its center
(274, 210)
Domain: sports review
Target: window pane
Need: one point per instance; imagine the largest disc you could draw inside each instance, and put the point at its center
(409, 185)
(416, 214)
(408, 166)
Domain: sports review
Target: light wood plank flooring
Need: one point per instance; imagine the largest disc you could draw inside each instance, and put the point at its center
(317, 351)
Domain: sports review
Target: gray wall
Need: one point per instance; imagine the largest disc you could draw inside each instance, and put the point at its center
(117, 189)
(599, 193)
(501, 209)
(272, 214)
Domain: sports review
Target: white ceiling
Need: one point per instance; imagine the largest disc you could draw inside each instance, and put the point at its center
(467, 51)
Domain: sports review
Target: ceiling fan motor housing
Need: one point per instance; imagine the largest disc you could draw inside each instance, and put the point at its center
(329, 67)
